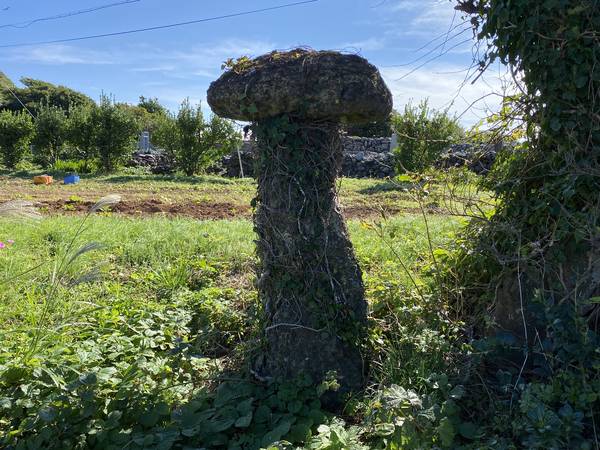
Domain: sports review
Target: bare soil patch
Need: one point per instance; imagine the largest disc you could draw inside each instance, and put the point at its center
(201, 210)
(149, 207)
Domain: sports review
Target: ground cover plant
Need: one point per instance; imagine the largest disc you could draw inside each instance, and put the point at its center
(141, 342)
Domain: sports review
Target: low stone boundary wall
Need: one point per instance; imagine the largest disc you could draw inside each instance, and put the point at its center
(363, 158)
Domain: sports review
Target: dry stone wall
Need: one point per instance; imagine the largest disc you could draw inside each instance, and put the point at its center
(367, 157)
(363, 158)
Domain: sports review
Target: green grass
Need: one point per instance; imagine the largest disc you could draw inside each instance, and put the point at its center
(152, 245)
(359, 197)
(151, 324)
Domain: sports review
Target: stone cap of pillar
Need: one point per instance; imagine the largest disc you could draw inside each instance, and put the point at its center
(305, 84)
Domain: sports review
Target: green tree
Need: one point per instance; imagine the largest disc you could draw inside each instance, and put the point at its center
(219, 138)
(6, 85)
(16, 130)
(152, 105)
(50, 135)
(115, 133)
(81, 132)
(190, 123)
(36, 94)
(194, 142)
(166, 134)
(423, 134)
(146, 120)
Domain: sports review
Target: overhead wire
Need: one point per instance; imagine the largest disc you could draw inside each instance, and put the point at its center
(424, 55)
(19, 100)
(28, 23)
(160, 27)
(432, 59)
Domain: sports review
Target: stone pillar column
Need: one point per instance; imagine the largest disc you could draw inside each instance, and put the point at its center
(309, 281)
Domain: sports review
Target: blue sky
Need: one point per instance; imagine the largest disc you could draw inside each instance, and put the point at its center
(176, 63)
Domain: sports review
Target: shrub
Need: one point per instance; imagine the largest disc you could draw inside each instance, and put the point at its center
(15, 133)
(382, 128)
(50, 135)
(115, 133)
(194, 142)
(165, 134)
(81, 134)
(423, 134)
(74, 166)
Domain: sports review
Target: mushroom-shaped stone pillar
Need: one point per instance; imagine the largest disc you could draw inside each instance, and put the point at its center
(309, 282)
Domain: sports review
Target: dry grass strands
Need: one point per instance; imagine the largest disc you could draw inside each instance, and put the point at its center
(19, 209)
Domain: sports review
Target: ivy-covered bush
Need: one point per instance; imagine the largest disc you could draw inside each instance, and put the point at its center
(529, 274)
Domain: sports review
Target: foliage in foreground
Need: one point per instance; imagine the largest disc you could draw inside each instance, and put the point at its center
(529, 274)
(153, 355)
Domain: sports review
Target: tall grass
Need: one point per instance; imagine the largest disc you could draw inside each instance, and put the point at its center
(164, 247)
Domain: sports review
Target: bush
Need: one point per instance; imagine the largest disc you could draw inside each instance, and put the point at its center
(81, 134)
(423, 134)
(115, 133)
(75, 166)
(194, 142)
(50, 135)
(165, 134)
(381, 128)
(15, 133)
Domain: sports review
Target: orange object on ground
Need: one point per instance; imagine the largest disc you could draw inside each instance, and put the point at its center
(42, 179)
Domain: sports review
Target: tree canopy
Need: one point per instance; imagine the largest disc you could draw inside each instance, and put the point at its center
(36, 93)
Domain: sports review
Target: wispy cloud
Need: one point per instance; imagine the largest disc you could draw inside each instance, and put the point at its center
(419, 18)
(202, 60)
(405, 5)
(447, 87)
(370, 44)
(156, 68)
(192, 69)
(58, 54)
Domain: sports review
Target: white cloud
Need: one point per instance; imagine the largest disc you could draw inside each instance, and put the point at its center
(202, 60)
(435, 13)
(157, 68)
(57, 54)
(405, 5)
(366, 45)
(446, 88)
(419, 18)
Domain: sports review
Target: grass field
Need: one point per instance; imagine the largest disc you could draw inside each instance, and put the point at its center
(110, 319)
(210, 197)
